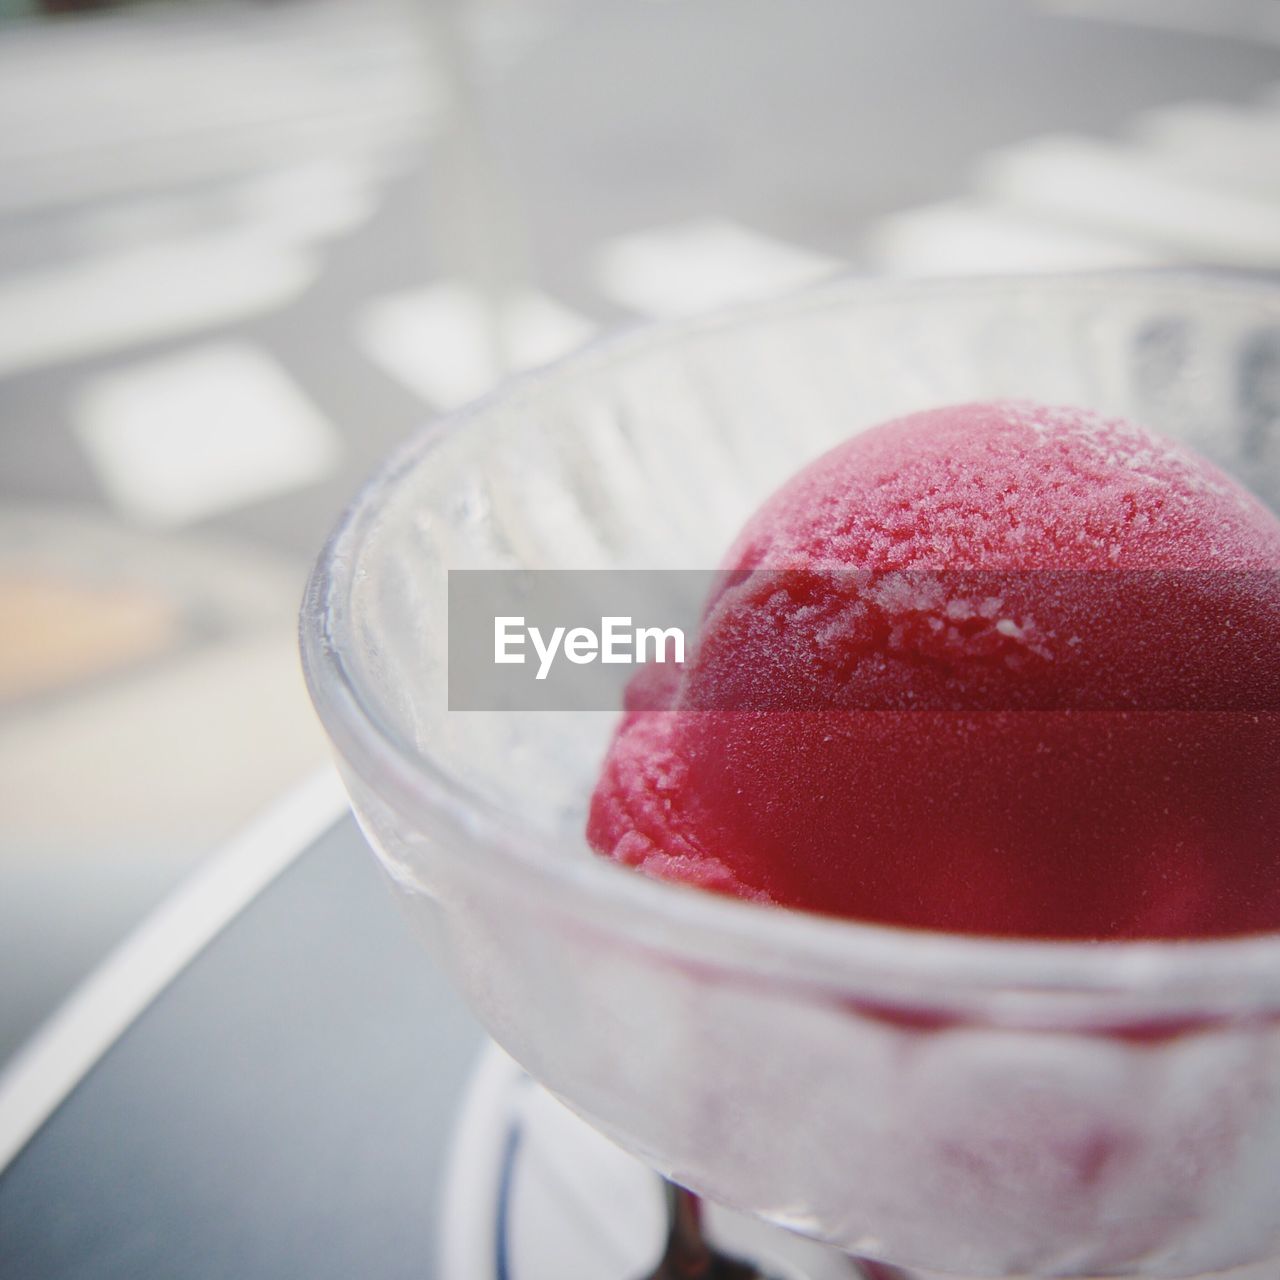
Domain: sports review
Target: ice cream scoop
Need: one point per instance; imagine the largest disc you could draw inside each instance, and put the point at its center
(993, 668)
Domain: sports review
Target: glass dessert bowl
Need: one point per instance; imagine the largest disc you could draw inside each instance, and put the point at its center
(963, 1105)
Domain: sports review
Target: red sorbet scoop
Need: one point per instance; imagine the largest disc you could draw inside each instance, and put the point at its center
(994, 668)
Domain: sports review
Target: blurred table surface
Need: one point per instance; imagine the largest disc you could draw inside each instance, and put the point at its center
(244, 249)
(281, 1108)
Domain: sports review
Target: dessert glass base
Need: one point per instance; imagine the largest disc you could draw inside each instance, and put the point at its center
(533, 1193)
(962, 1106)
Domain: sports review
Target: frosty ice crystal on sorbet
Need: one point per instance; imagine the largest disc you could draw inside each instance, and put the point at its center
(992, 668)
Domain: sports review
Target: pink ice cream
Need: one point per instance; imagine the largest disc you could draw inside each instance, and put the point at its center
(994, 668)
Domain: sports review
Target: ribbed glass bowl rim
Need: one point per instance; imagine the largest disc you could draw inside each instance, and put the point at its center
(1041, 980)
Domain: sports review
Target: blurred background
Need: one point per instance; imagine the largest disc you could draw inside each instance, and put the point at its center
(246, 248)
